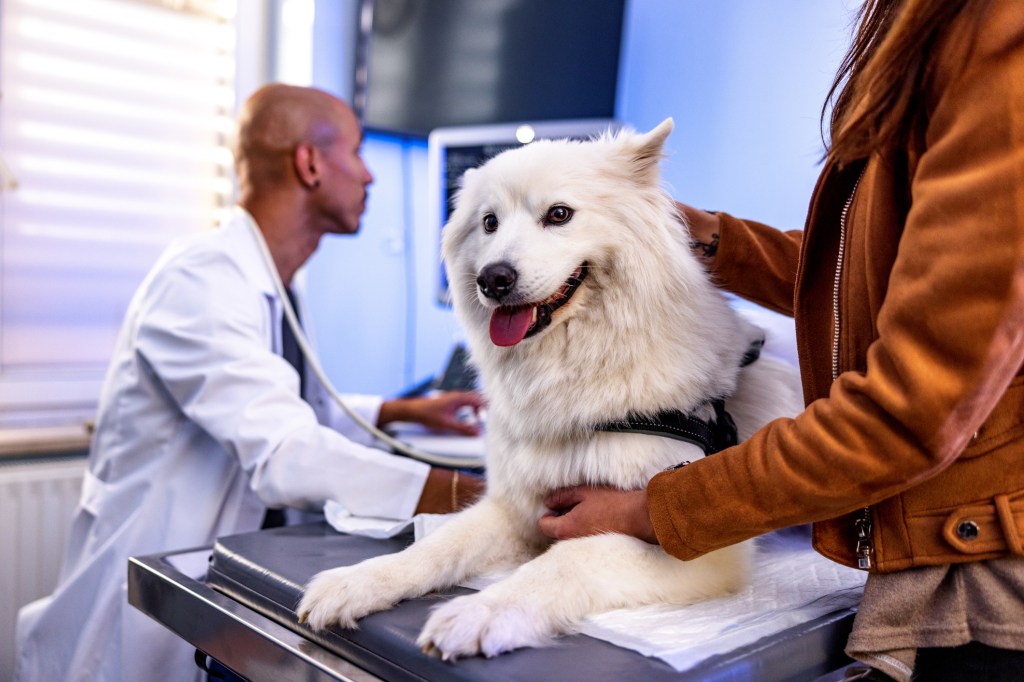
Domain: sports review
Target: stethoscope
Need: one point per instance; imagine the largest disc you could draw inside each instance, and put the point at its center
(314, 364)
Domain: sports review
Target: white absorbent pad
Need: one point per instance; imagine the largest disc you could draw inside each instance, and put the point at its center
(790, 584)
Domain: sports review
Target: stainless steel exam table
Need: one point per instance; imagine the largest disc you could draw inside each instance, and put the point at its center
(242, 614)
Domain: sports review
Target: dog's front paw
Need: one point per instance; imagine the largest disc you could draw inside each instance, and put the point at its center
(474, 624)
(342, 596)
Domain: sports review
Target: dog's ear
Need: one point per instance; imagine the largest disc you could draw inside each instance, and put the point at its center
(468, 174)
(645, 151)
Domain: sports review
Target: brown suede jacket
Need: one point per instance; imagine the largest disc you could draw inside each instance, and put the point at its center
(923, 431)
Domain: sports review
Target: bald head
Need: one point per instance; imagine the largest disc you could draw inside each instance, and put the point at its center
(275, 120)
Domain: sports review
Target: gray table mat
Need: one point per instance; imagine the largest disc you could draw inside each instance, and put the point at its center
(265, 571)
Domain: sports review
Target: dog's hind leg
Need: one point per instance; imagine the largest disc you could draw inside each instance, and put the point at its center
(476, 541)
(551, 594)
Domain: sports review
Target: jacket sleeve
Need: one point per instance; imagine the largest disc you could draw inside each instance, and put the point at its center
(204, 338)
(950, 332)
(757, 262)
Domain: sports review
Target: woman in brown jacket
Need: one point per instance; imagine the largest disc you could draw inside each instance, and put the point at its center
(907, 287)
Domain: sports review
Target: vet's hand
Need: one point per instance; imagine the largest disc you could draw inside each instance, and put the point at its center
(457, 411)
(590, 510)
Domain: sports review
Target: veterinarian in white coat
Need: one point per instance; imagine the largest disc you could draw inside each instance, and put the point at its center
(201, 427)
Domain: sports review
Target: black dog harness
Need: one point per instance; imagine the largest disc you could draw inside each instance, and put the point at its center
(709, 436)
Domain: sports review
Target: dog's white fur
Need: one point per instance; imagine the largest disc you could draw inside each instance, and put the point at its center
(646, 331)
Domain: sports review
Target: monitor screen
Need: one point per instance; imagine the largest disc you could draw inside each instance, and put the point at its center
(452, 151)
(425, 64)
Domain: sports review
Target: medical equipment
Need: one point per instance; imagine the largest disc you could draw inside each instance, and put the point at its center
(414, 71)
(314, 364)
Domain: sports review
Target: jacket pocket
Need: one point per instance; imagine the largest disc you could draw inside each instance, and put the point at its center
(994, 526)
(981, 529)
(1005, 424)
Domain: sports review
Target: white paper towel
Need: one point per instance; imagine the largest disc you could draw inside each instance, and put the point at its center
(343, 521)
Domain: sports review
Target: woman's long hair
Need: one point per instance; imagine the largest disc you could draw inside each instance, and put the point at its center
(878, 93)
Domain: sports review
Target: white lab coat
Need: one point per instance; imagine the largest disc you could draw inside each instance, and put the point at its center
(200, 428)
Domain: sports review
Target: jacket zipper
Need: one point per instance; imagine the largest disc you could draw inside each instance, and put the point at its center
(863, 524)
(839, 272)
(864, 547)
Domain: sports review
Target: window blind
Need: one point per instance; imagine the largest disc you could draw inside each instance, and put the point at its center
(114, 125)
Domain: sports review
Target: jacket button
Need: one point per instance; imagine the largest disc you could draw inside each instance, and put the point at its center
(967, 530)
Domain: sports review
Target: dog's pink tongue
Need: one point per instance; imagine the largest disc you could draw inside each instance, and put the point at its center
(509, 325)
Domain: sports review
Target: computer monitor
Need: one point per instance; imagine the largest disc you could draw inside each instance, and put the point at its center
(425, 64)
(452, 151)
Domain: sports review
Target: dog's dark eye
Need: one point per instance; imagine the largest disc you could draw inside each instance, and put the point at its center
(558, 215)
(490, 222)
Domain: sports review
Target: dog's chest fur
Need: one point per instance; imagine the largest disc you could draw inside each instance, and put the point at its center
(547, 396)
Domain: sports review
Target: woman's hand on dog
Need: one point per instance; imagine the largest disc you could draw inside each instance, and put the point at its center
(591, 510)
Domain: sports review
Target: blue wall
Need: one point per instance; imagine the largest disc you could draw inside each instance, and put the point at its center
(744, 81)
(372, 296)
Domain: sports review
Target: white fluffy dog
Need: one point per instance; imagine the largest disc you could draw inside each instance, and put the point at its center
(583, 306)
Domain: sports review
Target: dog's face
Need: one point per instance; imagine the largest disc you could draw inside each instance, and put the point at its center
(533, 226)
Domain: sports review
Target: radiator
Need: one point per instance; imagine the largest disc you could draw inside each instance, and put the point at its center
(36, 503)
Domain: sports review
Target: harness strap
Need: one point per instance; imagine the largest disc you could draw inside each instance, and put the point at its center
(753, 352)
(711, 437)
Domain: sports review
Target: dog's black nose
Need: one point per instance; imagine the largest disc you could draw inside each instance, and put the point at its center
(497, 280)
